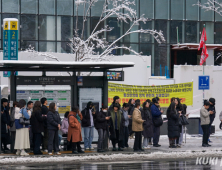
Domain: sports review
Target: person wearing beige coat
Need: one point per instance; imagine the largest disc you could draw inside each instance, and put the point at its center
(137, 127)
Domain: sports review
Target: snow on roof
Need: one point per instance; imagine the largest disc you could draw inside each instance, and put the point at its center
(72, 63)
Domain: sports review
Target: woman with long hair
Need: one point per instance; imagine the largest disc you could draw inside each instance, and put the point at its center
(37, 122)
(173, 125)
(22, 131)
(53, 126)
(147, 125)
(179, 109)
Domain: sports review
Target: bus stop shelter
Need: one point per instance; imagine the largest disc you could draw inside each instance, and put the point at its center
(54, 66)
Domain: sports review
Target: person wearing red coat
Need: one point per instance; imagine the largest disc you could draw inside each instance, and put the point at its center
(74, 130)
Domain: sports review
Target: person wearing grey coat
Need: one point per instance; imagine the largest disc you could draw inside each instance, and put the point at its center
(205, 121)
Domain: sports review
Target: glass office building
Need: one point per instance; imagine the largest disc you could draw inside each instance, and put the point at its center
(48, 24)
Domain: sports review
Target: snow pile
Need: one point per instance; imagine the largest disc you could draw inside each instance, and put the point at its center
(112, 157)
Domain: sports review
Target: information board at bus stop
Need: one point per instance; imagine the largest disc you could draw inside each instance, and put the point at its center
(10, 41)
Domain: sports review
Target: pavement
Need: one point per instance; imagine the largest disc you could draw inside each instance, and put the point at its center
(190, 149)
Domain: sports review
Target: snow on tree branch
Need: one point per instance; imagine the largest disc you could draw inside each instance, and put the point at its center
(95, 47)
(211, 5)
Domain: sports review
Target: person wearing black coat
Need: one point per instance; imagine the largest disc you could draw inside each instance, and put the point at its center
(53, 126)
(173, 125)
(212, 116)
(130, 111)
(45, 110)
(116, 127)
(101, 124)
(147, 125)
(88, 115)
(179, 109)
(5, 131)
(37, 122)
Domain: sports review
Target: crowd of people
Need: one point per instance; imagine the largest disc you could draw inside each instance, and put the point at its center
(36, 126)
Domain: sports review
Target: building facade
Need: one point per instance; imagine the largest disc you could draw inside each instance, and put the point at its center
(48, 24)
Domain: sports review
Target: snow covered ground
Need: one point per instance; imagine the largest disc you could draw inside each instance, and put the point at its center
(191, 149)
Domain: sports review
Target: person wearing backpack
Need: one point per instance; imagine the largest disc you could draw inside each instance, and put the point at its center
(74, 130)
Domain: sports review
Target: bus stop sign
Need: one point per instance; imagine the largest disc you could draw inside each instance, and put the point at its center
(204, 83)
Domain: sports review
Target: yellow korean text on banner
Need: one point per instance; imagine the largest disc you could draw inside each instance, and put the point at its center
(184, 91)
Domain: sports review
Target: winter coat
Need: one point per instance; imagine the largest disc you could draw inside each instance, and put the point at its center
(155, 111)
(37, 122)
(86, 120)
(45, 110)
(130, 111)
(173, 124)
(53, 120)
(3, 124)
(120, 124)
(21, 113)
(126, 118)
(148, 124)
(6, 111)
(137, 124)
(212, 116)
(65, 126)
(204, 116)
(12, 119)
(74, 130)
(100, 120)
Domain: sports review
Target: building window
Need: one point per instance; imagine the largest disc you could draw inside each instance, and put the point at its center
(26, 44)
(146, 49)
(206, 15)
(97, 9)
(29, 6)
(64, 28)
(10, 6)
(47, 7)
(173, 32)
(131, 38)
(146, 8)
(218, 33)
(161, 9)
(191, 11)
(47, 46)
(64, 7)
(191, 32)
(29, 27)
(177, 9)
(46, 28)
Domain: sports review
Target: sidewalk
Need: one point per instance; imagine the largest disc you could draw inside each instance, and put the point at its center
(191, 149)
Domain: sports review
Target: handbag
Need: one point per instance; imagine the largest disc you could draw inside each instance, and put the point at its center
(157, 122)
(183, 120)
(23, 120)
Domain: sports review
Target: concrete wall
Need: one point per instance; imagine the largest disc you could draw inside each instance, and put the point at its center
(186, 73)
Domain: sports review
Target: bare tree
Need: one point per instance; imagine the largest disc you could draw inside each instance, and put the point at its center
(85, 49)
(211, 5)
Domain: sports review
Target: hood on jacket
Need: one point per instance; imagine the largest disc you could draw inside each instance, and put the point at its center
(71, 113)
(89, 104)
(212, 100)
